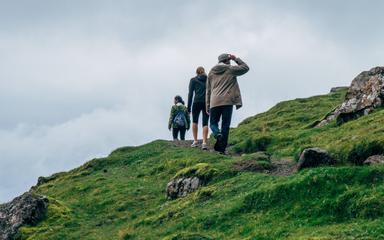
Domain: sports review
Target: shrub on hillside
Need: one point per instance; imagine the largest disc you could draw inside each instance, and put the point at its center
(361, 151)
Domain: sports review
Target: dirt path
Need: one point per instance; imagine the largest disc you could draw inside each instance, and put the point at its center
(282, 167)
(188, 143)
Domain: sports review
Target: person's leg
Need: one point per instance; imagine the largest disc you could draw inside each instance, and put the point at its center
(225, 125)
(205, 126)
(182, 133)
(175, 132)
(205, 134)
(194, 131)
(214, 114)
(195, 119)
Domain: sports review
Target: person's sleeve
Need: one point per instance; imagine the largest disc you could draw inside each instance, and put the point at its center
(208, 93)
(190, 94)
(240, 69)
(171, 116)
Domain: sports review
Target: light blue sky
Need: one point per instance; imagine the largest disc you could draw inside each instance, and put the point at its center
(80, 78)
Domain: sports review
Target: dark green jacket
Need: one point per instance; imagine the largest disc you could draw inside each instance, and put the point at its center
(174, 110)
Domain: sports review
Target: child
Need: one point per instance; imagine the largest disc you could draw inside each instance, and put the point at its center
(179, 119)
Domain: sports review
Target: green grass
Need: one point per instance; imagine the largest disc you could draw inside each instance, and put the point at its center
(284, 130)
(122, 196)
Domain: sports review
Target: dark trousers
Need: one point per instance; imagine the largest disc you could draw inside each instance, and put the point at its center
(176, 131)
(225, 114)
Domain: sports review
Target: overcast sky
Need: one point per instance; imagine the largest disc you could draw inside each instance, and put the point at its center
(81, 78)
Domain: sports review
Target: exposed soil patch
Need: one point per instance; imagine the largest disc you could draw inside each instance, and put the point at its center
(188, 143)
(252, 166)
(281, 167)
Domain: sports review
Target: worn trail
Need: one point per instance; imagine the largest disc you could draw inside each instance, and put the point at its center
(281, 167)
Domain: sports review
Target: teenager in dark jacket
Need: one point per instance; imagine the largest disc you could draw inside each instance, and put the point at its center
(197, 87)
(223, 93)
(179, 120)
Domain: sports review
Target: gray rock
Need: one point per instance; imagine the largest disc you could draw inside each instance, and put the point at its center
(27, 209)
(180, 187)
(374, 160)
(365, 94)
(313, 157)
(336, 89)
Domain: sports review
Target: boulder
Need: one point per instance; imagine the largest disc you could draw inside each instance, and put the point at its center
(374, 160)
(189, 179)
(180, 187)
(313, 157)
(365, 94)
(27, 209)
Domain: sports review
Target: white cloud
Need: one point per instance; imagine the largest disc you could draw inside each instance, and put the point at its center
(72, 91)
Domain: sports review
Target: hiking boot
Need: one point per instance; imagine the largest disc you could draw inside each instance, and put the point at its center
(219, 136)
(223, 152)
(204, 146)
(218, 144)
(195, 144)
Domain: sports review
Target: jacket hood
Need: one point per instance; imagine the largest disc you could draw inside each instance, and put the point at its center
(202, 78)
(220, 68)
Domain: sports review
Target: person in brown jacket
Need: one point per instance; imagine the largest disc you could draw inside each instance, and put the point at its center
(222, 94)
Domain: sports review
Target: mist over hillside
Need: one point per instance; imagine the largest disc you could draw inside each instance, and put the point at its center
(74, 73)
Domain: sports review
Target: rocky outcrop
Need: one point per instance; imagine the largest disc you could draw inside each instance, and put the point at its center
(374, 160)
(313, 157)
(365, 94)
(189, 179)
(27, 209)
(180, 187)
(336, 89)
(42, 180)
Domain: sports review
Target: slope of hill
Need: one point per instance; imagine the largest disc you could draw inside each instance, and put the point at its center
(123, 196)
(286, 129)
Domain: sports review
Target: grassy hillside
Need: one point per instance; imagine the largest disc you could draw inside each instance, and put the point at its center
(285, 130)
(122, 196)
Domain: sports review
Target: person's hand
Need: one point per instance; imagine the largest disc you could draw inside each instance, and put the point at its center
(232, 57)
(207, 112)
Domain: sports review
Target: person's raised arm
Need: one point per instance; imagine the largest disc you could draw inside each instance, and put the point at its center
(241, 67)
(191, 89)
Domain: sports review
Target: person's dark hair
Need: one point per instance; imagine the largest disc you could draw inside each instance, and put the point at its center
(200, 71)
(179, 99)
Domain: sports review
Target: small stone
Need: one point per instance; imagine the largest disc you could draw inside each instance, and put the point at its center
(374, 160)
(313, 157)
(367, 111)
